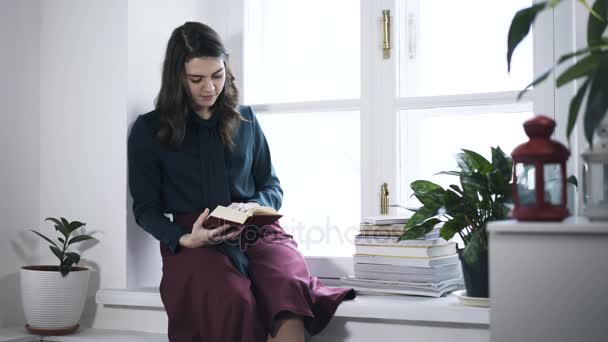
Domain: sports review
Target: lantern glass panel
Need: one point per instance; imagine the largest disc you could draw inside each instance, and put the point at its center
(526, 183)
(553, 184)
(595, 184)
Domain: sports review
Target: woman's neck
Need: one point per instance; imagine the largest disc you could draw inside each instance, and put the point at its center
(204, 113)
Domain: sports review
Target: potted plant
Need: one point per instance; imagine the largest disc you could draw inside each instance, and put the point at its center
(591, 69)
(53, 296)
(484, 195)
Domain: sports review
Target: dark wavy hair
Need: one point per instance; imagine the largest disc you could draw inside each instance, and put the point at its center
(193, 40)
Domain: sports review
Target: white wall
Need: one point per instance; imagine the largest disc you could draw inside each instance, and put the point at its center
(83, 82)
(19, 129)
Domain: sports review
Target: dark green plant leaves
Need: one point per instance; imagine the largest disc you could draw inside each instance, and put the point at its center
(80, 238)
(597, 103)
(66, 266)
(572, 180)
(73, 256)
(57, 252)
(75, 225)
(44, 237)
(575, 105)
(520, 27)
(59, 226)
(597, 26)
(419, 230)
(422, 187)
(477, 244)
(451, 228)
(502, 163)
(449, 173)
(420, 216)
(477, 162)
(584, 67)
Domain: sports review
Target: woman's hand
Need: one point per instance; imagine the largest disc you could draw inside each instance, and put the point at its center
(201, 236)
(243, 206)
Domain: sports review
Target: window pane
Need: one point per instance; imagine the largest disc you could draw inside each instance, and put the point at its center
(317, 159)
(526, 183)
(430, 138)
(553, 184)
(301, 51)
(458, 47)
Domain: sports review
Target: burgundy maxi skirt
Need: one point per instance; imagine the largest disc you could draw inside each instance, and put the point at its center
(207, 299)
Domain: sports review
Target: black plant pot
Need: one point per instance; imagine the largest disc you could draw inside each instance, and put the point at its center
(476, 276)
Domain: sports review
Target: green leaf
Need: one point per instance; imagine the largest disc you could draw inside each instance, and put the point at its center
(456, 189)
(44, 237)
(589, 49)
(454, 204)
(433, 200)
(419, 230)
(520, 27)
(477, 162)
(572, 180)
(56, 251)
(595, 26)
(585, 67)
(75, 225)
(65, 222)
(61, 240)
(591, 11)
(597, 103)
(502, 163)
(66, 266)
(59, 226)
(80, 238)
(451, 228)
(420, 216)
(534, 83)
(449, 173)
(73, 256)
(477, 243)
(422, 187)
(575, 105)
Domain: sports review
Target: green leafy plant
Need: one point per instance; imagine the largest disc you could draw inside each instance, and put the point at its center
(60, 250)
(591, 68)
(484, 195)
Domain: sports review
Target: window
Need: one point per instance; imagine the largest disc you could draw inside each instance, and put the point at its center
(341, 119)
(302, 74)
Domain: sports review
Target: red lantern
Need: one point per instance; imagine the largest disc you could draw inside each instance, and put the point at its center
(539, 174)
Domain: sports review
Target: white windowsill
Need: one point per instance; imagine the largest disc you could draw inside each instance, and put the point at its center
(365, 306)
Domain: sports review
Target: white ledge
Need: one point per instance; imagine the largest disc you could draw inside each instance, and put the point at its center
(574, 225)
(365, 306)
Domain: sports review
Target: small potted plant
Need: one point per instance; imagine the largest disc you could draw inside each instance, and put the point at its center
(53, 296)
(484, 195)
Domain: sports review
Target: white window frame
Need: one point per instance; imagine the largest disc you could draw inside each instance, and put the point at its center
(378, 103)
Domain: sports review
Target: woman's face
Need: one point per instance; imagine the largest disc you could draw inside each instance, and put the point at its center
(205, 77)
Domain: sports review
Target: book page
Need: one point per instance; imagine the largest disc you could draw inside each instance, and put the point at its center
(261, 211)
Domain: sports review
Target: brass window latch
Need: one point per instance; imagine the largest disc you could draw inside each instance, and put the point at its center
(386, 33)
(384, 195)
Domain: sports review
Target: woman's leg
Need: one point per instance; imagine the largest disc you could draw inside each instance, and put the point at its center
(282, 283)
(207, 299)
(288, 328)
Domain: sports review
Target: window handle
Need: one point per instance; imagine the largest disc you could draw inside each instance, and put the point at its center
(386, 33)
(411, 29)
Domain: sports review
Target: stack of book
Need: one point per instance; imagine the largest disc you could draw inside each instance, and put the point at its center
(428, 266)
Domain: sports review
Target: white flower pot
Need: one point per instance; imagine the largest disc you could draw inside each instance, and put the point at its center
(52, 303)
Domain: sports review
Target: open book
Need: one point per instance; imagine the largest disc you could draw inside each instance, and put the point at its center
(258, 216)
